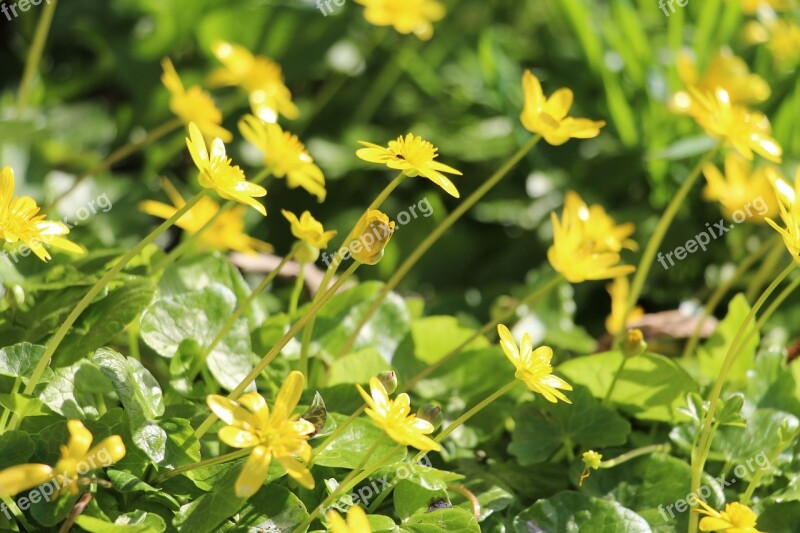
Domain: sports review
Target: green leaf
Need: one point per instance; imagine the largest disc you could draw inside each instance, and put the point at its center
(73, 390)
(572, 512)
(712, 353)
(357, 367)
(134, 522)
(434, 337)
(348, 450)
(272, 508)
(16, 447)
(442, 520)
(21, 359)
(410, 498)
(207, 512)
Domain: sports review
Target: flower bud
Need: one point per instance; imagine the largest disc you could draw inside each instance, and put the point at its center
(304, 252)
(592, 459)
(634, 344)
(370, 237)
(431, 413)
(389, 380)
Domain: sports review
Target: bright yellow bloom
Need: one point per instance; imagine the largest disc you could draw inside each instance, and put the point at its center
(548, 116)
(592, 459)
(393, 416)
(619, 291)
(790, 214)
(736, 518)
(370, 237)
(20, 221)
(745, 130)
(194, 105)
(20, 478)
(259, 76)
(726, 71)
(226, 232)
(217, 172)
(406, 16)
(308, 229)
(587, 242)
(284, 155)
(533, 366)
(414, 156)
(77, 459)
(356, 521)
(741, 187)
(750, 7)
(784, 43)
(277, 435)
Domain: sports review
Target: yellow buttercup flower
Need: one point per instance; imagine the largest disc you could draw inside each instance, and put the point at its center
(746, 131)
(227, 232)
(308, 229)
(356, 521)
(284, 155)
(77, 459)
(619, 290)
(277, 435)
(533, 366)
(393, 416)
(414, 156)
(259, 76)
(405, 16)
(370, 237)
(218, 173)
(790, 214)
(194, 105)
(587, 242)
(742, 188)
(20, 221)
(548, 116)
(20, 478)
(736, 518)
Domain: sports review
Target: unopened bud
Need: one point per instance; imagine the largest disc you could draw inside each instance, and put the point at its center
(634, 344)
(431, 413)
(389, 380)
(304, 252)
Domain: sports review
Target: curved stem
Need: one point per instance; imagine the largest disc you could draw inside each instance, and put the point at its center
(35, 55)
(470, 497)
(617, 374)
(208, 462)
(764, 273)
(751, 487)
(633, 454)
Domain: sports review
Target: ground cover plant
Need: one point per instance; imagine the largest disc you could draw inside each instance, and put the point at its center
(400, 265)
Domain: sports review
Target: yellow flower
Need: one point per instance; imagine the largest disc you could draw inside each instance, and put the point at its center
(20, 221)
(736, 518)
(406, 16)
(77, 459)
(587, 242)
(277, 435)
(750, 7)
(726, 71)
(356, 521)
(533, 366)
(619, 290)
(20, 478)
(217, 172)
(745, 130)
(370, 237)
(284, 155)
(226, 232)
(548, 116)
(592, 459)
(741, 187)
(260, 77)
(194, 105)
(393, 417)
(414, 156)
(790, 214)
(308, 229)
(784, 43)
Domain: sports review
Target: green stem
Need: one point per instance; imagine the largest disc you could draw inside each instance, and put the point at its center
(208, 462)
(384, 82)
(633, 454)
(35, 55)
(766, 272)
(337, 432)
(617, 374)
(297, 290)
(7, 413)
(751, 487)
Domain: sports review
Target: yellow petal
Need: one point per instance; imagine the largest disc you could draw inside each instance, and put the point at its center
(254, 472)
(20, 478)
(289, 395)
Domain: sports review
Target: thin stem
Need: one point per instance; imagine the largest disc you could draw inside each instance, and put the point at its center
(638, 452)
(657, 238)
(297, 290)
(208, 462)
(764, 273)
(7, 413)
(276, 349)
(751, 487)
(617, 374)
(35, 55)
(762, 319)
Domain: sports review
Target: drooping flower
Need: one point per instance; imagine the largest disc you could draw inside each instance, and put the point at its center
(284, 155)
(548, 116)
(217, 171)
(736, 518)
(393, 416)
(591, 461)
(193, 106)
(20, 221)
(226, 232)
(619, 290)
(77, 459)
(405, 16)
(587, 242)
(790, 214)
(308, 229)
(20, 478)
(533, 366)
(745, 130)
(259, 76)
(278, 435)
(742, 188)
(414, 156)
(356, 521)
(370, 237)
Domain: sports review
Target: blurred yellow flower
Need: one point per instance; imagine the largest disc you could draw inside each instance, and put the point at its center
(548, 116)
(284, 155)
(20, 221)
(414, 156)
(782, 37)
(194, 105)
(619, 291)
(750, 7)
(741, 187)
(356, 521)
(790, 214)
(217, 172)
(745, 130)
(278, 434)
(259, 76)
(393, 416)
(533, 366)
(227, 232)
(587, 242)
(308, 229)
(370, 237)
(77, 459)
(736, 518)
(406, 16)
(19, 478)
